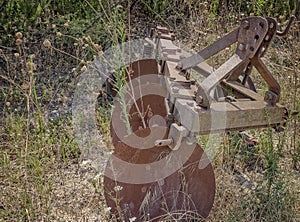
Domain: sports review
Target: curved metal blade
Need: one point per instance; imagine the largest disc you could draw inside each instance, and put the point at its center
(189, 189)
(166, 185)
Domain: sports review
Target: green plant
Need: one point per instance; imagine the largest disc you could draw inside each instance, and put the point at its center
(19, 15)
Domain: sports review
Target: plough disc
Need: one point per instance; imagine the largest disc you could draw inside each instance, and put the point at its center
(167, 186)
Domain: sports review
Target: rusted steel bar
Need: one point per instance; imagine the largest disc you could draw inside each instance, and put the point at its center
(292, 19)
(209, 51)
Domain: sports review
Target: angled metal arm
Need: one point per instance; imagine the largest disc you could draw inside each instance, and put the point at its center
(209, 51)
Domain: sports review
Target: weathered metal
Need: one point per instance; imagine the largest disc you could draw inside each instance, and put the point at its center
(155, 199)
(189, 189)
(213, 101)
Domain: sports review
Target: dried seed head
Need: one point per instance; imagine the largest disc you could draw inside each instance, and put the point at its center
(19, 41)
(19, 35)
(98, 47)
(47, 43)
(17, 55)
(58, 34)
(132, 219)
(202, 7)
(31, 66)
(53, 26)
(80, 41)
(66, 25)
(282, 17)
(83, 68)
(88, 39)
(25, 85)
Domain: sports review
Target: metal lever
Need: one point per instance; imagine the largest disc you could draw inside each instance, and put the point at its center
(283, 33)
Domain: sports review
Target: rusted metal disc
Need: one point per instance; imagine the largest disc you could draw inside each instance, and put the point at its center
(187, 186)
(145, 107)
(190, 189)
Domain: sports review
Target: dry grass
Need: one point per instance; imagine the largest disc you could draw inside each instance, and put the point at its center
(42, 177)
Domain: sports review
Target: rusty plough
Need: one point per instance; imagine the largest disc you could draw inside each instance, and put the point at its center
(174, 98)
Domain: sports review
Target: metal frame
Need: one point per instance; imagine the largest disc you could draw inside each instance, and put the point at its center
(244, 108)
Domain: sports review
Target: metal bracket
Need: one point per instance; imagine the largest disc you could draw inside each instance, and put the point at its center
(193, 104)
(176, 135)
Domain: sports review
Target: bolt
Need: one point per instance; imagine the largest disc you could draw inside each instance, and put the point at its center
(200, 99)
(198, 109)
(179, 65)
(144, 189)
(246, 24)
(189, 103)
(175, 89)
(165, 142)
(241, 47)
(182, 72)
(170, 116)
(191, 139)
(268, 96)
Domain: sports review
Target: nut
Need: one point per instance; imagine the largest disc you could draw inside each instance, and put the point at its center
(200, 99)
(241, 47)
(175, 89)
(198, 109)
(190, 103)
(245, 24)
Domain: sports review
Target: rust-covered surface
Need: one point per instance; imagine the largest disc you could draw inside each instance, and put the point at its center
(188, 189)
(157, 168)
